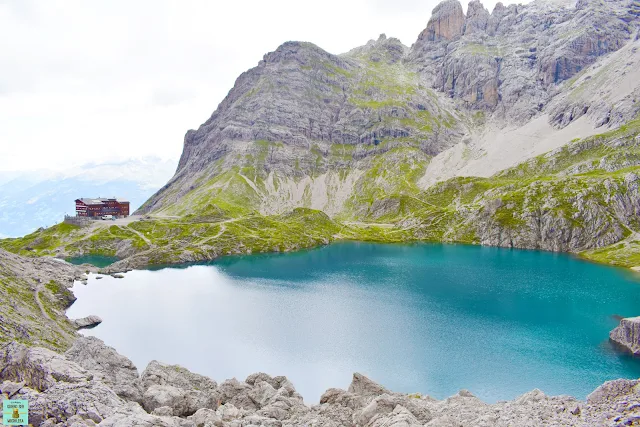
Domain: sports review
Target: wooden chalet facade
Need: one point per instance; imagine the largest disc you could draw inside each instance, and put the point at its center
(102, 206)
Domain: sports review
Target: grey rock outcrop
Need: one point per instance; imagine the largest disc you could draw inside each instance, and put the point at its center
(477, 18)
(90, 400)
(39, 368)
(177, 388)
(270, 397)
(627, 335)
(87, 322)
(105, 363)
(396, 407)
(61, 393)
(206, 418)
(43, 270)
(132, 414)
(363, 386)
(613, 81)
(176, 401)
(158, 373)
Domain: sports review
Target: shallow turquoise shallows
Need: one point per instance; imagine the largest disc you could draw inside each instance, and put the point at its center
(432, 319)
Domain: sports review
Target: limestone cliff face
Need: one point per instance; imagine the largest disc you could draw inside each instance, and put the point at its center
(510, 61)
(600, 216)
(606, 92)
(446, 23)
(507, 62)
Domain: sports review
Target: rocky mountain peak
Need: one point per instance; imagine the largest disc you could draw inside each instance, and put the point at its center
(387, 50)
(447, 22)
(498, 7)
(292, 50)
(304, 112)
(477, 18)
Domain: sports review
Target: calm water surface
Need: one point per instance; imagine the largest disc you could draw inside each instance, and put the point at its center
(417, 318)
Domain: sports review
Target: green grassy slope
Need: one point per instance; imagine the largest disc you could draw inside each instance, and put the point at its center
(582, 198)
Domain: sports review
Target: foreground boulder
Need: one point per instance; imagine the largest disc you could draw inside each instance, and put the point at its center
(112, 368)
(38, 368)
(363, 386)
(616, 400)
(269, 397)
(177, 388)
(132, 414)
(385, 407)
(93, 385)
(87, 322)
(627, 335)
(91, 401)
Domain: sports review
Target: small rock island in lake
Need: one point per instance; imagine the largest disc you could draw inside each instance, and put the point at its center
(627, 335)
(87, 322)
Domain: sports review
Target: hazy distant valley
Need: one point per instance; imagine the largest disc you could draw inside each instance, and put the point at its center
(30, 200)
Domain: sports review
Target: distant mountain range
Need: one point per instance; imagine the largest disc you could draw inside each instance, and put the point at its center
(33, 199)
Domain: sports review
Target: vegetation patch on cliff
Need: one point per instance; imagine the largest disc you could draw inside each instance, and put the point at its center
(34, 301)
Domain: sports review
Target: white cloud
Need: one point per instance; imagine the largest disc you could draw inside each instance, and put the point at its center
(86, 80)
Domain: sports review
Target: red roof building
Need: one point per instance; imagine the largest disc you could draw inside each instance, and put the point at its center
(102, 206)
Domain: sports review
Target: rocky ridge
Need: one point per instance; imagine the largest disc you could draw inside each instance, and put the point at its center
(92, 385)
(304, 126)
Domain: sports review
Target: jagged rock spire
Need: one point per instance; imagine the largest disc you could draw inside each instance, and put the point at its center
(447, 22)
(477, 18)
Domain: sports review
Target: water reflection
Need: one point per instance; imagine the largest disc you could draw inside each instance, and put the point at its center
(427, 318)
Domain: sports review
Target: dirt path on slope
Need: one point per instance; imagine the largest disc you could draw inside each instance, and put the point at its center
(223, 228)
(36, 295)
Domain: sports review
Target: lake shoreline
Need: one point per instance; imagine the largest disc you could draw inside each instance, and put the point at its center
(244, 276)
(124, 265)
(172, 396)
(110, 381)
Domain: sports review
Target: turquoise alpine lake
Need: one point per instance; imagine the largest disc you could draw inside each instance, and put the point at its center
(424, 318)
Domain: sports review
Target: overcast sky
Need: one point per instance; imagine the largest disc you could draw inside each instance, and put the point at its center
(85, 81)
